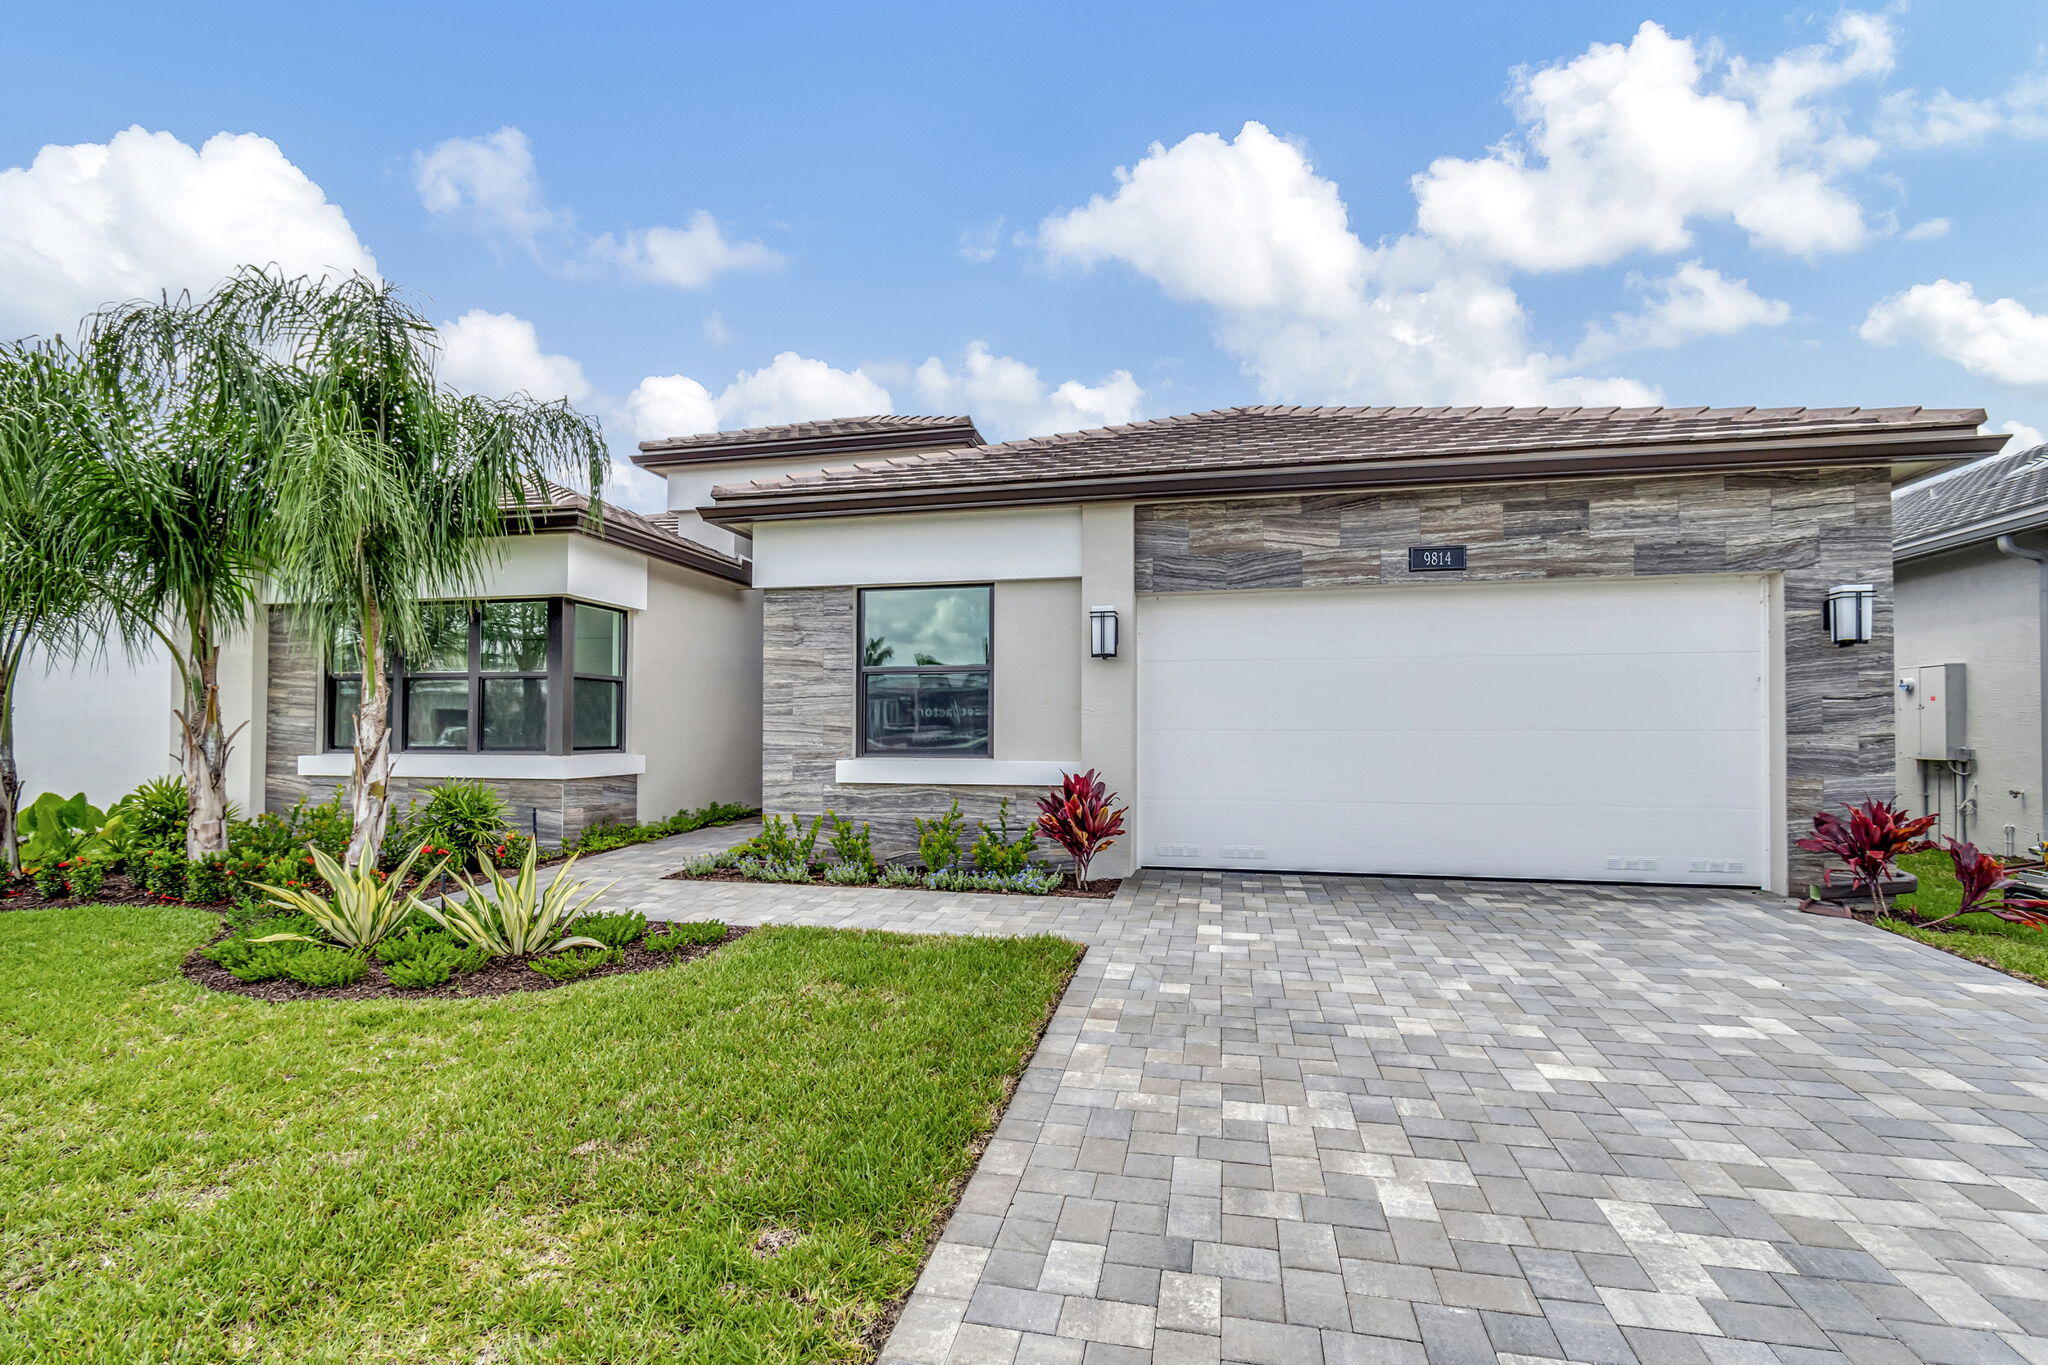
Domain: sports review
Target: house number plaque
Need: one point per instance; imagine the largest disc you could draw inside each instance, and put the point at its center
(1435, 558)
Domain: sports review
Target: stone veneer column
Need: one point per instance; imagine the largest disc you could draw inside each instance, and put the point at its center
(1109, 687)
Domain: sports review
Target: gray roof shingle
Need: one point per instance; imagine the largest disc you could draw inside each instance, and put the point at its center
(2005, 485)
(1251, 438)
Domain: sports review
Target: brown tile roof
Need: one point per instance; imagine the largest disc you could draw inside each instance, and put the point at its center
(1246, 440)
(881, 431)
(552, 507)
(1989, 494)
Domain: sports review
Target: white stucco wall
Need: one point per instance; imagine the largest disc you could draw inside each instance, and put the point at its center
(693, 705)
(1040, 643)
(690, 485)
(1982, 609)
(939, 547)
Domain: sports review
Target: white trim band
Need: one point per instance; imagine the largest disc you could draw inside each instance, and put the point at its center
(953, 772)
(507, 767)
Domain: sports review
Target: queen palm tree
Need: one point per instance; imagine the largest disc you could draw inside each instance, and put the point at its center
(390, 487)
(179, 502)
(49, 580)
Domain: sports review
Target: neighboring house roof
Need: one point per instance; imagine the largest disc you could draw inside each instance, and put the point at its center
(551, 507)
(1301, 448)
(1993, 497)
(839, 434)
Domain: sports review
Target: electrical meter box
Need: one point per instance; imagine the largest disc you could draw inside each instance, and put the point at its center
(1931, 713)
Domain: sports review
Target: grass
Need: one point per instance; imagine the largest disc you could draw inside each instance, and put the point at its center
(572, 1175)
(1980, 938)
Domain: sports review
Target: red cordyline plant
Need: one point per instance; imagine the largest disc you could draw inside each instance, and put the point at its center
(1080, 816)
(1870, 842)
(1986, 889)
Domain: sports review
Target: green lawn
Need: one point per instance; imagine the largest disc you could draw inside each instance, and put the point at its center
(575, 1175)
(1981, 938)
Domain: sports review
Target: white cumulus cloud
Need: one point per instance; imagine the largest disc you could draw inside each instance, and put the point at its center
(2000, 339)
(2023, 436)
(492, 184)
(98, 223)
(795, 388)
(1927, 229)
(1941, 119)
(1008, 398)
(1248, 227)
(499, 354)
(1624, 147)
(1693, 301)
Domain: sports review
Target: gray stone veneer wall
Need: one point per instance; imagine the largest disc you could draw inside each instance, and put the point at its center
(552, 810)
(1817, 528)
(808, 686)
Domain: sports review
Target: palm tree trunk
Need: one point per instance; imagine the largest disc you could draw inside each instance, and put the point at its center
(10, 777)
(205, 746)
(369, 793)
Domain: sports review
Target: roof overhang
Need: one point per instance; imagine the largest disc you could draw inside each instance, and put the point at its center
(1905, 450)
(663, 455)
(2010, 523)
(655, 544)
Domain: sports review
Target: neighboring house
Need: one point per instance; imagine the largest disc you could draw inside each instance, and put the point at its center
(613, 673)
(1971, 565)
(1585, 644)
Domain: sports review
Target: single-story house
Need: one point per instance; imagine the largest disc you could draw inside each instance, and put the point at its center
(1585, 644)
(1633, 645)
(1970, 551)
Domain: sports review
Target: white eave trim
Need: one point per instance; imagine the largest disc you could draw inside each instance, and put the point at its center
(953, 772)
(498, 767)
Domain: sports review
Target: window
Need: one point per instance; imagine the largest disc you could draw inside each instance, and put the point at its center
(925, 658)
(495, 679)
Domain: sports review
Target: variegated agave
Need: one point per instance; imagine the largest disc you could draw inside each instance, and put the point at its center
(364, 907)
(517, 917)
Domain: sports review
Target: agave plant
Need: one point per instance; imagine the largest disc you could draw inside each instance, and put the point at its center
(1870, 842)
(365, 904)
(517, 917)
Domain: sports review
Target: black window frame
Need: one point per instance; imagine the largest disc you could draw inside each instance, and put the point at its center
(864, 671)
(557, 673)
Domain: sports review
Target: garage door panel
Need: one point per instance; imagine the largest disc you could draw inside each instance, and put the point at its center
(1539, 691)
(1686, 770)
(1601, 730)
(1400, 839)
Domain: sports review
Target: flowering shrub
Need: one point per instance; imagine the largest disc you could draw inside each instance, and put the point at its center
(1080, 816)
(84, 877)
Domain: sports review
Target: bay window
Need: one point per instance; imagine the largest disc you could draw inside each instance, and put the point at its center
(925, 670)
(542, 675)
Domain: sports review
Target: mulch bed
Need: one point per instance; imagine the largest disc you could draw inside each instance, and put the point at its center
(1098, 889)
(117, 889)
(498, 977)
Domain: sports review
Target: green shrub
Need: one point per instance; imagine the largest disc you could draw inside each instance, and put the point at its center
(704, 864)
(938, 841)
(574, 962)
(460, 817)
(85, 878)
(761, 870)
(264, 962)
(321, 965)
(207, 881)
(901, 876)
(431, 961)
(55, 830)
(853, 845)
(49, 882)
(782, 842)
(1030, 881)
(997, 852)
(680, 936)
(163, 873)
(156, 814)
(850, 874)
(410, 940)
(613, 930)
(285, 834)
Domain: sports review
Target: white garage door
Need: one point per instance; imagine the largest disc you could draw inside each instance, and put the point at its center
(1589, 731)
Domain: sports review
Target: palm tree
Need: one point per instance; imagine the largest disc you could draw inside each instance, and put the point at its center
(48, 597)
(391, 488)
(191, 408)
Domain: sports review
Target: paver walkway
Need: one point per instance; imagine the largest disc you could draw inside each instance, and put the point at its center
(1325, 1119)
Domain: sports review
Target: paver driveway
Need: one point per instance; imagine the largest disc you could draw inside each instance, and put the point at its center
(1303, 1119)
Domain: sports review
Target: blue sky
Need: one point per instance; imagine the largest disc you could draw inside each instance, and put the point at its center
(643, 207)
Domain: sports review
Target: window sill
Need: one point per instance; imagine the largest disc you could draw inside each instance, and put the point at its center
(952, 772)
(508, 767)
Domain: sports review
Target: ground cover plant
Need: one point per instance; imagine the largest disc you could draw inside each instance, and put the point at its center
(587, 1174)
(2020, 948)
